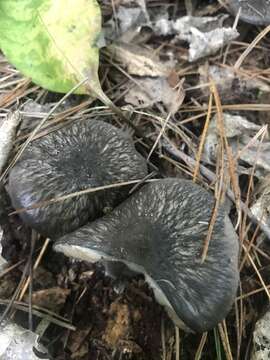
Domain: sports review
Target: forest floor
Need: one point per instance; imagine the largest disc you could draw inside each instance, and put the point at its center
(86, 317)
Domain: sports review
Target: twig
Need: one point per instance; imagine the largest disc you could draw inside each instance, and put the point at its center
(159, 136)
(38, 127)
(177, 343)
(223, 337)
(30, 295)
(36, 311)
(42, 251)
(78, 193)
(201, 346)
(163, 339)
(251, 46)
(219, 192)
(257, 272)
(210, 176)
(16, 293)
(203, 137)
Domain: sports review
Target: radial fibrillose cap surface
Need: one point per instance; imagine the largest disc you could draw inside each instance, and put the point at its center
(81, 156)
(160, 232)
(255, 12)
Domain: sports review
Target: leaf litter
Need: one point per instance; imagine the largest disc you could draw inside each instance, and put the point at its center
(158, 62)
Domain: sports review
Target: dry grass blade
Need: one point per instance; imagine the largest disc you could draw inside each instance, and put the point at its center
(251, 293)
(159, 136)
(10, 268)
(233, 107)
(257, 271)
(231, 162)
(239, 325)
(201, 346)
(251, 46)
(225, 342)
(260, 134)
(35, 131)
(250, 244)
(16, 93)
(219, 193)
(42, 313)
(177, 343)
(203, 137)
(79, 193)
(163, 339)
(37, 262)
(210, 176)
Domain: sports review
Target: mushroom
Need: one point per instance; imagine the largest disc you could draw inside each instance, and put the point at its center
(86, 154)
(160, 232)
(252, 11)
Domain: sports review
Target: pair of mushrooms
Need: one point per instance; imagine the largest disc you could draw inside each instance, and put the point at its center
(158, 231)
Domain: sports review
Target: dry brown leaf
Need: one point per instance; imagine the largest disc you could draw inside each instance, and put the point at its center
(139, 61)
(52, 298)
(244, 139)
(230, 84)
(77, 340)
(149, 91)
(118, 325)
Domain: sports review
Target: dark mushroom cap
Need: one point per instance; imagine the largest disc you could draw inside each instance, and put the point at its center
(160, 231)
(252, 11)
(84, 155)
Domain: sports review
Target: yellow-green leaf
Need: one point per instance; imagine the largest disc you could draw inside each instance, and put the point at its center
(54, 42)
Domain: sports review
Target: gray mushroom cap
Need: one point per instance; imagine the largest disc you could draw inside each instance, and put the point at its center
(255, 12)
(84, 155)
(160, 231)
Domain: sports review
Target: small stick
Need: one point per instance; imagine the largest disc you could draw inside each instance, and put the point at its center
(40, 256)
(62, 322)
(210, 176)
(202, 142)
(177, 343)
(201, 346)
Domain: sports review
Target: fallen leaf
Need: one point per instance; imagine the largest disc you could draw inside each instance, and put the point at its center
(205, 35)
(127, 22)
(149, 91)
(77, 339)
(242, 139)
(118, 324)
(8, 282)
(55, 43)
(230, 84)
(203, 44)
(81, 352)
(182, 25)
(52, 298)
(139, 61)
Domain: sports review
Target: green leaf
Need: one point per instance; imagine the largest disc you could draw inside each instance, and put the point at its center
(54, 42)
